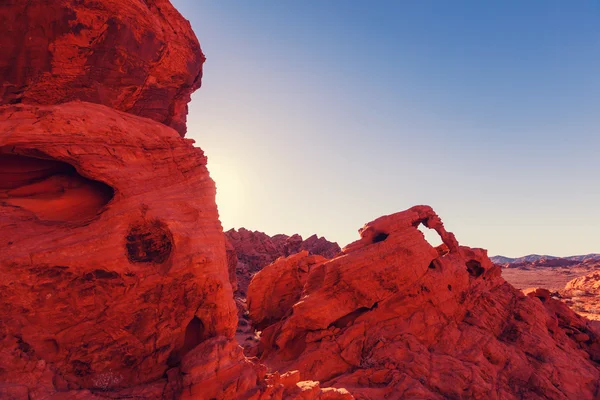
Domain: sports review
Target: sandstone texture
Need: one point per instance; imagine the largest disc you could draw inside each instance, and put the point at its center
(282, 281)
(256, 250)
(138, 56)
(589, 283)
(249, 252)
(117, 282)
(395, 318)
(115, 278)
(582, 294)
(113, 263)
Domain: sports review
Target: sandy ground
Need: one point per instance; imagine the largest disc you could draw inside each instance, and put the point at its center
(554, 279)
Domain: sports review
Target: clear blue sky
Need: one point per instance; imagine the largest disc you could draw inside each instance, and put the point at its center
(318, 116)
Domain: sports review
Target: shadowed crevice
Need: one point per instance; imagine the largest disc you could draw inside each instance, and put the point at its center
(50, 189)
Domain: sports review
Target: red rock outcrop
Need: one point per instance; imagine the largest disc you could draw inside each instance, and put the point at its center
(114, 276)
(394, 317)
(113, 263)
(589, 283)
(283, 280)
(256, 250)
(232, 264)
(137, 56)
(115, 280)
(582, 294)
(570, 280)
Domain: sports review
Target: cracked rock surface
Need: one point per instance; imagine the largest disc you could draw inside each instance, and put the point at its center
(395, 318)
(138, 56)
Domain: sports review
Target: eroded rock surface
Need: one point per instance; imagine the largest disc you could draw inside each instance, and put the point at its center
(114, 297)
(51, 190)
(114, 276)
(248, 252)
(137, 56)
(394, 317)
(256, 250)
(284, 281)
(582, 294)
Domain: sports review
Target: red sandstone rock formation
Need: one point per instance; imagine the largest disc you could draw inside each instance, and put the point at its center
(283, 280)
(589, 283)
(232, 264)
(255, 250)
(113, 263)
(582, 294)
(394, 317)
(114, 278)
(114, 275)
(570, 280)
(132, 55)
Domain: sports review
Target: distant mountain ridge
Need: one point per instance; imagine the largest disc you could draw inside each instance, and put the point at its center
(536, 257)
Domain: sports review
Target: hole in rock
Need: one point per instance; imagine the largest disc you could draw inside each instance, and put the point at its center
(450, 287)
(474, 268)
(100, 274)
(51, 189)
(149, 242)
(431, 236)
(380, 237)
(509, 334)
(349, 318)
(194, 335)
(435, 264)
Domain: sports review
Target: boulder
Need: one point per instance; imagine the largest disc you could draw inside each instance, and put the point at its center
(137, 56)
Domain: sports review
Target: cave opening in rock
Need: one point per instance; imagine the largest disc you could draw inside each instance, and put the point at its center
(195, 333)
(435, 264)
(51, 189)
(474, 268)
(380, 237)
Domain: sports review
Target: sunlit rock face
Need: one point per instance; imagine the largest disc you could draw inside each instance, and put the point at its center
(394, 317)
(137, 56)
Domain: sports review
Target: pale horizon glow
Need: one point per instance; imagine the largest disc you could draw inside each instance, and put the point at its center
(318, 117)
